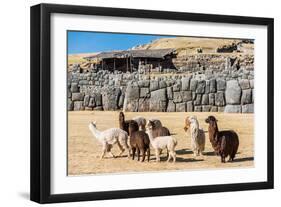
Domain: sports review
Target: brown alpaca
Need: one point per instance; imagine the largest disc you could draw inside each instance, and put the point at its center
(225, 143)
(139, 141)
(158, 131)
(126, 126)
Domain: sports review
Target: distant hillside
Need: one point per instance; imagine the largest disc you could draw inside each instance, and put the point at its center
(78, 58)
(187, 45)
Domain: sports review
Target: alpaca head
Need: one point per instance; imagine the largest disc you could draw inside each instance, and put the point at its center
(93, 123)
(150, 125)
(187, 124)
(121, 116)
(212, 121)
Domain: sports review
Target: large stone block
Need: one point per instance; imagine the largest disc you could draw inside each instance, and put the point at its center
(206, 108)
(244, 84)
(74, 88)
(132, 92)
(205, 99)
(144, 83)
(177, 86)
(221, 84)
(201, 86)
(232, 109)
(180, 107)
(92, 102)
(189, 106)
(171, 106)
(219, 98)
(170, 93)
(186, 96)
(77, 96)
(144, 92)
(86, 100)
(162, 84)
(214, 109)
(248, 108)
(185, 83)
(70, 105)
(252, 84)
(232, 92)
(160, 95)
(78, 106)
(207, 87)
(154, 85)
(213, 87)
(212, 99)
(98, 99)
(246, 96)
(143, 105)
(158, 100)
(110, 97)
(177, 97)
(197, 100)
(193, 84)
(197, 108)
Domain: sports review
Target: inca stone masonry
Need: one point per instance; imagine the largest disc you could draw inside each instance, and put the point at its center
(223, 88)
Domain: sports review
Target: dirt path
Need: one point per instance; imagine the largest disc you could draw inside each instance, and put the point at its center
(84, 150)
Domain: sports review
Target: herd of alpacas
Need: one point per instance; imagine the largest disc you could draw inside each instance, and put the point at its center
(135, 137)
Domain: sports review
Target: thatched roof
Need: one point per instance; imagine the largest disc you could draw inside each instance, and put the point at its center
(157, 53)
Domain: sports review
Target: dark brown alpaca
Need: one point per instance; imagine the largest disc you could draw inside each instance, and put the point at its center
(139, 141)
(129, 126)
(225, 143)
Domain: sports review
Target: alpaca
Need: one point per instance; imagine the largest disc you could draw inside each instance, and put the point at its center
(139, 141)
(224, 142)
(160, 143)
(156, 122)
(158, 130)
(141, 122)
(126, 126)
(197, 135)
(110, 137)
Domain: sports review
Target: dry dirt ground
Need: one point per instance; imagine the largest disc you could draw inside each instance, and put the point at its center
(84, 150)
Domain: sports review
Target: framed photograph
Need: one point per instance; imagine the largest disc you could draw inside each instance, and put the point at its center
(132, 103)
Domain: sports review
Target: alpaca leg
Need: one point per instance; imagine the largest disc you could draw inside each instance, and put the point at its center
(133, 153)
(143, 154)
(121, 148)
(112, 155)
(148, 154)
(174, 157)
(103, 152)
(128, 150)
(157, 155)
(138, 153)
(169, 157)
(223, 158)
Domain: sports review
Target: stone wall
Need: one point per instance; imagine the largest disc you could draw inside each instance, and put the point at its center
(227, 91)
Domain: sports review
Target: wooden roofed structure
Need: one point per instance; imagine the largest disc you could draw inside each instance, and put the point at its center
(130, 60)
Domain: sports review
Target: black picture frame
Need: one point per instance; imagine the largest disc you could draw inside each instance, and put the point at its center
(41, 98)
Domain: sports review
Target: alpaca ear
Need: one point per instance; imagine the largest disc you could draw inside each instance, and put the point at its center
(94, 122)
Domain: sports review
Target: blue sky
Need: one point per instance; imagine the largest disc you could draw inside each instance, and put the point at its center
(86, 42)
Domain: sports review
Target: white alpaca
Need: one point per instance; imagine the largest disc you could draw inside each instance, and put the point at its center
(197, 136)
(141, 122)
(160, 143)
(110, 137)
